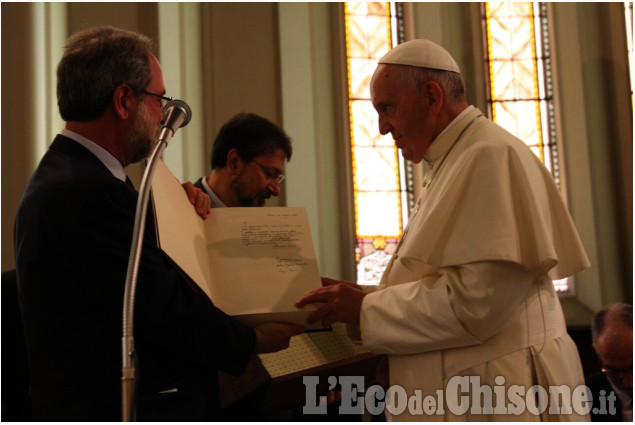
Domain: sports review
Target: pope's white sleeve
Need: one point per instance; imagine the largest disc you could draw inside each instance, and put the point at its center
(464, 305)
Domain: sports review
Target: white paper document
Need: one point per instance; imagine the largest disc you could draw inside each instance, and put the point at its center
(253, 263)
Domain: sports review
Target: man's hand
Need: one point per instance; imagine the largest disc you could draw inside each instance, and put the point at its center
(340, 302)
(198, 198)
(272, 336)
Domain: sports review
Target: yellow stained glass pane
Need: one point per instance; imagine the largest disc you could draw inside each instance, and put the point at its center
(523, 9)
(502, 80)
(529, 125)
(505, 9)
(378, 8)
(519, 118)
(495, 8)
(378, 214)
(368, 37)
(513, 70)
(376, 169)
(521, 38)
(367, 8)
(361, 71)
(525, 79)
(380, 42)
(356, 8)
(498, 40)
(511, 39)
(364, 125)
(366, 128)
(513, 80)
(357, 38)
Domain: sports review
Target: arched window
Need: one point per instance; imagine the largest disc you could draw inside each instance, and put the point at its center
(383, 193)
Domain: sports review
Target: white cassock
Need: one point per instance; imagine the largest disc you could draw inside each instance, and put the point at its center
(469, 290)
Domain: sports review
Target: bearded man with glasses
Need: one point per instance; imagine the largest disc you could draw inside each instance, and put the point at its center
(247, 162)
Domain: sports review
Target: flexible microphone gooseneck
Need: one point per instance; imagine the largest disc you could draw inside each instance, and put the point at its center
(176, 114)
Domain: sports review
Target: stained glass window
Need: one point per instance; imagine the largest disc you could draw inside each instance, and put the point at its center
(519, 75)
(520, 95)
(381, 191)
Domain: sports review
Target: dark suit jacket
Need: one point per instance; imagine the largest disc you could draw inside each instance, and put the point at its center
(198, 183)
(73, 233)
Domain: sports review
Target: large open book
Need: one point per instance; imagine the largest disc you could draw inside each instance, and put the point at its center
(253, 263)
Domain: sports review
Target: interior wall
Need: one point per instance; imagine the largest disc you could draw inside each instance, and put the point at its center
(32, 38)
(241, 67)
(620, 111)
(308, 94)
(179, 50)
(18, 128)
(588, 97)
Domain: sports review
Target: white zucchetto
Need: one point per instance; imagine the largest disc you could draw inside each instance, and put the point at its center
(421, 53)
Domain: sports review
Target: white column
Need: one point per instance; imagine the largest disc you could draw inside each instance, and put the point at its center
(49, 36)
(180, 56)
(307, 85)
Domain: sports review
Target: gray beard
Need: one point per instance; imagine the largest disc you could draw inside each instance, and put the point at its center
(248, 201)
(141, 140)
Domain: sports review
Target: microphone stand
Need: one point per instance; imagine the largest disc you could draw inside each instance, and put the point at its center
(127, 340)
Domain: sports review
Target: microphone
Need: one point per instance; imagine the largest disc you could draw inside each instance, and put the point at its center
(176, 114)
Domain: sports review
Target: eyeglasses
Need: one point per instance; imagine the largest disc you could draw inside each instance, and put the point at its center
(271, 175)
(163, 99)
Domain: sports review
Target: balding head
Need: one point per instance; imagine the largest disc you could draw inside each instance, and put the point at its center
(612, 318)
(612, 330)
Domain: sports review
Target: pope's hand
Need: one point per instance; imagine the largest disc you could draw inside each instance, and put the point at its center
(338, 302)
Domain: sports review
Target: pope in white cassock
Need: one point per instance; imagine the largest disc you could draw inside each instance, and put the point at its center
(468, 292)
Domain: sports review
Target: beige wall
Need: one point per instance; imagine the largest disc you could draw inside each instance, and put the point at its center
(595, 114)
(283, 61)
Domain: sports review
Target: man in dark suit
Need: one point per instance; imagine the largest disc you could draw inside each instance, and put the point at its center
(247, 162)
(73, 233)
(612, 388)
